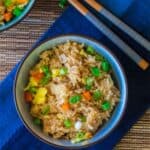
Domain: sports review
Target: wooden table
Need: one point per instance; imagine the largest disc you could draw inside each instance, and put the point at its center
(17, 40)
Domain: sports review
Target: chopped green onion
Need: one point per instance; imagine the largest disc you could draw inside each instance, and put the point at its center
(97, 95)
(98, 57)
(89, 81)
(63, 71)
(45, 110)
(95, 71)
(88, 87)
(37, 121)
(45, 80)
(105, 66)
(32, 90)
(105, 105)
(47, 74)
(74, 99)
(90, 50)
(45, 69)
(83, 118)
(67, 123)
(80, 136)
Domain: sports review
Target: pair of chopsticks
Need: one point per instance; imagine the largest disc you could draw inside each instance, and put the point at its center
(142, 63)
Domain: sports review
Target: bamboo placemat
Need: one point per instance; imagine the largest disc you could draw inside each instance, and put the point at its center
(17, 40)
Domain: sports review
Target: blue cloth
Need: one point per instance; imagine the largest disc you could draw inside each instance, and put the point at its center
(13, 135)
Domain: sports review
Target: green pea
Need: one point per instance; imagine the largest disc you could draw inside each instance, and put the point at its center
(74, 99)
(105, 66)
(63, 71)
(97, 95)
(67, 123)
(90, 50)
(37, 121)
(45, 110)
(95, 71)
(105, 105)
(17, 11)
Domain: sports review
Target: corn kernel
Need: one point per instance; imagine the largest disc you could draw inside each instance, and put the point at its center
(82, 53)
(55, 73)
(40, 96)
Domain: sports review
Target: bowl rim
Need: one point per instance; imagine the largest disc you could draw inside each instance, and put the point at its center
(17, 22)
(18, 71)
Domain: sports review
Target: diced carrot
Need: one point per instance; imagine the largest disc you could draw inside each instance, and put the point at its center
(37, 75)
(65, 106)
(7, 16)
(87, 95)
(22, 1)
(28, 96)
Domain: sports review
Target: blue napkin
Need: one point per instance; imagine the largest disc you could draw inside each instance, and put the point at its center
(13, 135)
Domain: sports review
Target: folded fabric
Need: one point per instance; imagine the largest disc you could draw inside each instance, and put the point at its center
(15, 136)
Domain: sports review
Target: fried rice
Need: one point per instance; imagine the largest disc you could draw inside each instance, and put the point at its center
(71, 91)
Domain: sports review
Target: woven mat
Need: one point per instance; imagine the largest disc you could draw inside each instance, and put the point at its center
(17, 40)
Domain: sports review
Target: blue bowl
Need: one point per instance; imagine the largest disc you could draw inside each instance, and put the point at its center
(22, 78)
(15, 20)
